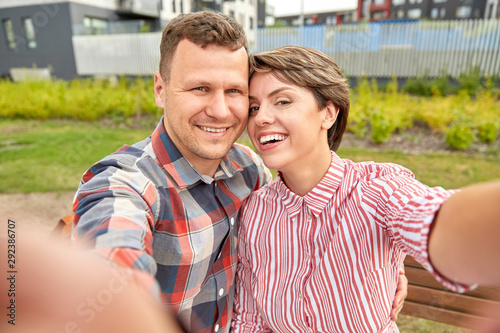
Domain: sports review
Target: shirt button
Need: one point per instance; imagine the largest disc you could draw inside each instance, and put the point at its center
(309, 217)
(216, 328)
(300, 295)
(221, 291)
(310, 329)
(232, 220)
(308, 256)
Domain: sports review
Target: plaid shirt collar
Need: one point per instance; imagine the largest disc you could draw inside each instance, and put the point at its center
(181, 170)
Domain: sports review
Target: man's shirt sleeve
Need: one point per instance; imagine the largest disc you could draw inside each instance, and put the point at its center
(114, 214)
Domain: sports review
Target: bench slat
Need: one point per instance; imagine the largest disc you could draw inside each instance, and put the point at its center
(445, 316)
(452, 301)
(419, 276)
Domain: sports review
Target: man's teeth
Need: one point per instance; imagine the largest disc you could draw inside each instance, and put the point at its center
(274, 137)
(213, 130)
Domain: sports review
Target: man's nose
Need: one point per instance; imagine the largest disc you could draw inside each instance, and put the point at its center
(218, 106)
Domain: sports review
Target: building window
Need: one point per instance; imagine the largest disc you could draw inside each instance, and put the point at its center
(9, 34)
(412, 1)
(251, 23)
(377, 16)
(439, 1)
(29, 31)
(398, 2)
(231, 13)
(182, 6)
(442, 12)
(414, 13)
(173, 6)
(401, 14)
(464, 11)
(95, 26)
(434, 13)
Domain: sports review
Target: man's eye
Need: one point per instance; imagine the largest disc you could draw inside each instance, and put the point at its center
(233, 91)
(200, 88)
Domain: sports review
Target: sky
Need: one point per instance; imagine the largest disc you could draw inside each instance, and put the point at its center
(288, 7)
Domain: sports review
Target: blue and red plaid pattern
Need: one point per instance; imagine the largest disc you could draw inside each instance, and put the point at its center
(146, 207)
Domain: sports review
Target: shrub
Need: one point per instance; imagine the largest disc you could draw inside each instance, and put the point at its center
(487, 132)
(459, 137)
(471, 81)
(419, 86)
(81, 99)
(422, 86)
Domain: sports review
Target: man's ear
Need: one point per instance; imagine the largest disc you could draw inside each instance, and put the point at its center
(159, 87)
(331, 113)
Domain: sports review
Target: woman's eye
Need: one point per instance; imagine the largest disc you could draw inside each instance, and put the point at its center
(283, 102)
(253, 109)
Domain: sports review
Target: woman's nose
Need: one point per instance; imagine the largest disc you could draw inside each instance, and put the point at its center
(264, 116)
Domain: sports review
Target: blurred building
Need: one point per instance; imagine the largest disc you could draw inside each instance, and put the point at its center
(444, 9)
(39, 32)
(377, 10)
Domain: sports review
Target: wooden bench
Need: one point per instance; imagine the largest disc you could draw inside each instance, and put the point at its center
(428, 299)
(63, 228)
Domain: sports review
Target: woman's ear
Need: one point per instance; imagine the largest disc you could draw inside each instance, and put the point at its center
(331, 113)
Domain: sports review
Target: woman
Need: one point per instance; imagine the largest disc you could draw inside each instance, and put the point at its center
(320, 246)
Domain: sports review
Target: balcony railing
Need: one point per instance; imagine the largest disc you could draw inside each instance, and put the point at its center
(147, 8)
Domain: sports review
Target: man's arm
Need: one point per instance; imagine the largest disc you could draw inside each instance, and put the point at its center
(114, 215)
(62, 289)
(464, 242)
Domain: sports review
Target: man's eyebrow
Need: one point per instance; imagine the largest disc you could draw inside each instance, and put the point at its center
(197, 83)
(274, 92)
(205, 83)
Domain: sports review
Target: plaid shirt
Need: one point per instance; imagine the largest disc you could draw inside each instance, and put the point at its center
(146, 207)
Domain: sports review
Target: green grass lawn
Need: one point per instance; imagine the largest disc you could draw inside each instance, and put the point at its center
(44, 156)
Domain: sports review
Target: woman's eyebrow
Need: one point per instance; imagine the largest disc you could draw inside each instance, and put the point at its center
(274, 92)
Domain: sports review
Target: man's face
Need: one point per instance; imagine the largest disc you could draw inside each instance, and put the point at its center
(205, 102)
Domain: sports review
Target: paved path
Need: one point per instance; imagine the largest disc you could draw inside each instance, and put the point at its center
(36, 211)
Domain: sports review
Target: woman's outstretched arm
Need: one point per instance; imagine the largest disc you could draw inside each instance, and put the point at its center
(464, 243)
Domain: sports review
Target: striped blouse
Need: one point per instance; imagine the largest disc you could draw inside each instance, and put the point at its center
(328, 261)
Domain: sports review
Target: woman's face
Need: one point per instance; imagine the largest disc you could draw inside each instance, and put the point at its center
(285, 125)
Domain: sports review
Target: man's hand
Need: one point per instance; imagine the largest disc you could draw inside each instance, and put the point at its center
(401, 293)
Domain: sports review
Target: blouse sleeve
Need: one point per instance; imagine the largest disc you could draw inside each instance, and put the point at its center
(406, 209)
(246, 316)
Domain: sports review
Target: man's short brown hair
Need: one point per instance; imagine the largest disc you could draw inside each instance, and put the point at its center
(203, 29)
(314, 70)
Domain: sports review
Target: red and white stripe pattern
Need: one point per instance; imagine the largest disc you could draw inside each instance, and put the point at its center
(329, 261)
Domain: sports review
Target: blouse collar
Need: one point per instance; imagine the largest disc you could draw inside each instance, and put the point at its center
(316, 199)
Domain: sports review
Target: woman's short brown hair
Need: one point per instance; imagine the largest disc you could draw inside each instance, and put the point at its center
(203, 29)
(314, 70)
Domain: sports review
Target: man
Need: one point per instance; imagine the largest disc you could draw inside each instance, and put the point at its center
(169, 205)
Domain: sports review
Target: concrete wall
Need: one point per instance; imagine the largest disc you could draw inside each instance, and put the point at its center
(53, 39)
